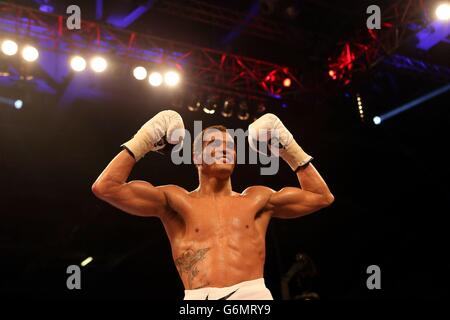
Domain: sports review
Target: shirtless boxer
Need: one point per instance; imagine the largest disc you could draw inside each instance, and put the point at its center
(217, 235)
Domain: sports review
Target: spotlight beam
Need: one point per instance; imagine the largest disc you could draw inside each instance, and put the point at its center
(237, 30)
(98, 9)
(16, 103)
(132, 16)
(7, 101)
(413, 103)
(46, 81)
(41, 72)
(432, 35)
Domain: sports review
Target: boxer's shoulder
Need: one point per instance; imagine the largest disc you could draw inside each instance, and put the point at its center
(257, 192)
(258, 196)
(177, 197)
(173, 190)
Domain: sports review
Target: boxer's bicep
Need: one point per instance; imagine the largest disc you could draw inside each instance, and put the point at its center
(293, 202)
(139, 198)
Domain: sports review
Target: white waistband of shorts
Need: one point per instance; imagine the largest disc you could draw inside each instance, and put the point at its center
(256, 282)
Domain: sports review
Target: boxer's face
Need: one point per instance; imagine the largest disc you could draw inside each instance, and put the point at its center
(219, 153)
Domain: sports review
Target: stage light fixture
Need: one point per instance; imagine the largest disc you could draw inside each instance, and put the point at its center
(78, 63)
(30, 53)
(193, 102)
(211, 105)
(228, 107)
(140, 73)
(443, 12)
(243, 113)
(86, 261)
(18, 104)
(332, 74)
(377, 120)
(194, 105)
(360, 106)
(287, 82)
(155, 79)
(171, 78)
(9, 47)
(98, 64)
(261, 108)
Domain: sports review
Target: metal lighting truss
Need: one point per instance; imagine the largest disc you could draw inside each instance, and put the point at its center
(210, 69)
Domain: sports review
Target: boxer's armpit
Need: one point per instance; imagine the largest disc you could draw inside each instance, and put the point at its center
(187, 263)
(201, 286)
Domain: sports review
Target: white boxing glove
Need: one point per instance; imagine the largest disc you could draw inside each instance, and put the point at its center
(165, 127)
(269, 126)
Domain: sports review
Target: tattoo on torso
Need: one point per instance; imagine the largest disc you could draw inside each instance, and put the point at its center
(188, 261)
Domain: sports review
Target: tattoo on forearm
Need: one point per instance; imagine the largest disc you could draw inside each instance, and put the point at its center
(188, 261)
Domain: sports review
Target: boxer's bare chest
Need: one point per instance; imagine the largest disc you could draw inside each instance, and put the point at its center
(201, 218)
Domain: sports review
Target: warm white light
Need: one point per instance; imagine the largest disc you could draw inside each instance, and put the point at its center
(86, 261)
(9, 47)
(172, 78)
(209, 111)
(140, 73)
(155, 79)
(98, 64)
(30, 53)
(443, 11)
(78, 63)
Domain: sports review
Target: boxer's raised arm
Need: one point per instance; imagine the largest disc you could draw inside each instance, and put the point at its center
(135, 197)
(291, 202)
(139, 197)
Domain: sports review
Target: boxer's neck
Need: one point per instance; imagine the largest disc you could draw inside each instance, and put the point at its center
(213, 186)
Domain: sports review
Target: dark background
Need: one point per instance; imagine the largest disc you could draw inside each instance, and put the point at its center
(389, 181)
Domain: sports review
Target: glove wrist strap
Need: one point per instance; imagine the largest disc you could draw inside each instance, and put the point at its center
(294, 155)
